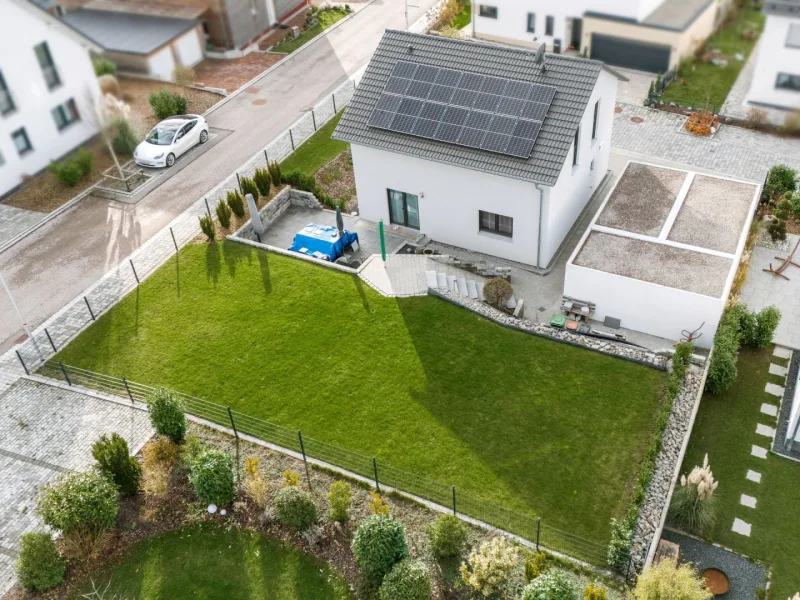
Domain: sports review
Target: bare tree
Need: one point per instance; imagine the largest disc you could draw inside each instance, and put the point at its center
(103, 115)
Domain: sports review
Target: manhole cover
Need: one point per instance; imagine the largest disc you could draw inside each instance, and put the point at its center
(637, 120)
(617, 109)
(252, 90)
(259, 102)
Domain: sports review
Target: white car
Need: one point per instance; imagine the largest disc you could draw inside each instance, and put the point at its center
(169, 139)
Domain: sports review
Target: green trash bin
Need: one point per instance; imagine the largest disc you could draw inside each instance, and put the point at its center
(558, 320)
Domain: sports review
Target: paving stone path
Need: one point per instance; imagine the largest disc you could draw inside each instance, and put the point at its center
(13, 220)
(45, 431)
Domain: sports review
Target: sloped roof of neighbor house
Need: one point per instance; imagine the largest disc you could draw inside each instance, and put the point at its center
(573, 78)
(129, 33)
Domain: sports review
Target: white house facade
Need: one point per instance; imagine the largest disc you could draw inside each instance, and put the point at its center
(776, 79)
(46, 79)
(449, 186)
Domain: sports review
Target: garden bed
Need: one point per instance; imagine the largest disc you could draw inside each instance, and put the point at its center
(324, 19)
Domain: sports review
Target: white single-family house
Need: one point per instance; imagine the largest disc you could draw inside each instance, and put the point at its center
(776, 78)
(479, 146)
(648, 35)
(46, 81)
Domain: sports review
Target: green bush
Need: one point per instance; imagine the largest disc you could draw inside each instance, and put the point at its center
(378, 544)
(340, 496)
(248, 187)
(619, 548)
(491, 568)
(593, 592)
(748, 324)
(553, 585)
(70, 170)
(262, 180)
(535, 566)
(447, 536)
(114, 460)
(223, 211)
(236, 202)
(793, 198)
(85, 160)
(125, 139)
(39, 566)
(722, 370)
(207, 225)
(166, 104)
(274, 169)
(103, 66)
(408, 580)
(301, 181)
(295, 507)
(166, 414)
(211, 476)
(781, 179)
(497, 291)
(191, 448)
(767, 320)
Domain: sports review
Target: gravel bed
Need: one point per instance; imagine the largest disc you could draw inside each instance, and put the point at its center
(746, 577)
(765, 241)
(786, 408)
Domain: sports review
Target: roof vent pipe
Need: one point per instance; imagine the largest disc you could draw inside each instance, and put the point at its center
(411, 49)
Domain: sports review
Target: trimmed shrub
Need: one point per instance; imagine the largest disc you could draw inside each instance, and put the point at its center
(489, 567)
(207, 226)
(191, 448)
(378, 544)
(301, 181)
(248, 187)
(340, 497)
(290, 478)
(376, 504)
(619, 548)
(781, 179)
(664, 580)
(263, 181)
(223, 211)
(767, 320)
(125, 139)
(295, 507)
(497, 291)
(166, 104)
(447, 536)
(103, 66)
(85, 160)
(160, 455)
(256, 486)
(408, 580)
(40, 566)
(115, 460)
(236, 201)
(593, 592)
(274, 169)
(535, 566)
(70, 170)
(553, 585)
(722, 370)
(166, 414)
(748, 325)
(211, 476)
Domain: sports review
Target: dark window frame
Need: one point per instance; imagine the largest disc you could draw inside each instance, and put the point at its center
(10, 106)
(494, 229)
(47, 65)
(531, 22)
(791, 83)
(405, 222)
(21, 131)
(549, 24)
(595, 119)
(575, 144)
(487, 10)
(69, 114)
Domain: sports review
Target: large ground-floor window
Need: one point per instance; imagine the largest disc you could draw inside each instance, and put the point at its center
(496, 223)
(403, 209)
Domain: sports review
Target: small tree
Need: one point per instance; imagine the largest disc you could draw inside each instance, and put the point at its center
(275, 172)
(262, 180)
(40, 566)
(378, 544)
(340, 497)
(248, 187)
(376, 504)
(767, 320)
(207, 227)
(693, 503)
(408, 580)
(553, 585)
(211, 476)
(166, 414)
(497, 292)
(114, 460)
(447, 536)
(490, 566)
(223, 214)
(236, 201)
(184, 77)
(256, 486)
(664, 580)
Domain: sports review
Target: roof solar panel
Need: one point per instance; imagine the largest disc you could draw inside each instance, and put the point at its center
(492, 113)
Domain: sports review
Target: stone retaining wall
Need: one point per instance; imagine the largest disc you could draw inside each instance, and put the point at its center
(274, 209)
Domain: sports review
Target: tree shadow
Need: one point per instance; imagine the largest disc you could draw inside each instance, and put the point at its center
(361, 293)
(263, 262)
(213, 263)
(178, 274)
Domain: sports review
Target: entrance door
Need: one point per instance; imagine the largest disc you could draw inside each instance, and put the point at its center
(576, 34)
(403, 209)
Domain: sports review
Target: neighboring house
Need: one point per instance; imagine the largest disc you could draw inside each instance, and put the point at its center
(450, 138)
(776, 79)
(647, 35)
(47, 86)
(144, 44)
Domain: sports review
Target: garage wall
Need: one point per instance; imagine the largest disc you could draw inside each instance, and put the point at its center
(644, 306)
(189, 47)
(130, 63)
(161, 64)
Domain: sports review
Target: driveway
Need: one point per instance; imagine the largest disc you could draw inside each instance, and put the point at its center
(64, 257)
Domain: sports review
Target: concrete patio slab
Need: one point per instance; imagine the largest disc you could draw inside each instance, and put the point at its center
(758, 452)
(753, 476)
(778, 370)
(769, 409)
(748, 501)
(781, 352)
(765, 430)
(774, 390)
(741, 527)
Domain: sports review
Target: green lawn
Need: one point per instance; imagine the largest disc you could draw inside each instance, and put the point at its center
(326, 19)
(316, 151)
(212, 562)
(428, 387)
(463, 18)
(704, 80)
(725, 429)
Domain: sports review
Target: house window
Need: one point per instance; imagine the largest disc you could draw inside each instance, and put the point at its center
(531, 22)
(6, 102)
(793, 37)
(65, 114)
(2, 159)
(786, 81)
(575, 146)
(403, 209)
(485, 10)
(48, 67)
(594, 121)
(21, 141)
(549, 25)
(496, 223)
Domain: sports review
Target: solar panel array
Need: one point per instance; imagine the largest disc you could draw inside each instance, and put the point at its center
(458, 107)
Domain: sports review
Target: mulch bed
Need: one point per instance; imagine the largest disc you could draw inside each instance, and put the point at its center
(236, 222)
(338, 179)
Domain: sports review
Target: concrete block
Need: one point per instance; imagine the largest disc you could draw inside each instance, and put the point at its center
(774, 390)
(753, 476)
(765, 430)
(778, 370)
(769, 409)
(782, 352)
(758, 452)
(748, 501)
(741, 527)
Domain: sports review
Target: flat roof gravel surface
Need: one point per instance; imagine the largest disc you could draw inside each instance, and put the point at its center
(713, 214)
(656, 263)
(642, 199)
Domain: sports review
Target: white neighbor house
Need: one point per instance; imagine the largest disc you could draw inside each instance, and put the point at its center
(776, 79)
(520, 207)
(46, 78)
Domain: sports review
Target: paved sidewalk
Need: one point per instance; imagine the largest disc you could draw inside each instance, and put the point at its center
(46, 431)
(14, 220)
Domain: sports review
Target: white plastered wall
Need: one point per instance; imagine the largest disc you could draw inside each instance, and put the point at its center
(189, 47)
(773, 58)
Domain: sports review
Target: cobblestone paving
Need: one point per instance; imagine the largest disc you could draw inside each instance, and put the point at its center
(733, 151)
(13, 220)
(45, 431)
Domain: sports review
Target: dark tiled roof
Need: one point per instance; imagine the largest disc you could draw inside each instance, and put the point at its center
(574, 79)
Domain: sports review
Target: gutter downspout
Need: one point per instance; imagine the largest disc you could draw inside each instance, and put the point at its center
(539, 237)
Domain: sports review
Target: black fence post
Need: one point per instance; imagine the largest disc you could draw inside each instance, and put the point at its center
(172, 233)
(208, 209)
(375, 469)
(266, 157)
(64, 371)
(333, 97)
(130, 260)
(22, 362)
(305, 460)
(454, 501)
(127, 388)
(538, 531)
(239, 181)
(91, 312)
(49, 339)
(236, 434)
(291, 138)
(314, 119)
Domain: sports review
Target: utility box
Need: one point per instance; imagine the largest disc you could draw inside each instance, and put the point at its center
(295, 32)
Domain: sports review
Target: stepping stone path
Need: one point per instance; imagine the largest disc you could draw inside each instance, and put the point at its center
(748, 501)
(754, 476)
(765, 430)
(774, 390)
(741, 527)
(769, 409)
(778, 370)
(781, 352)
(758, 452)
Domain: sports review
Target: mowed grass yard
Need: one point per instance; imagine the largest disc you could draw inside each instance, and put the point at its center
(726, 429)
(425, 386)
